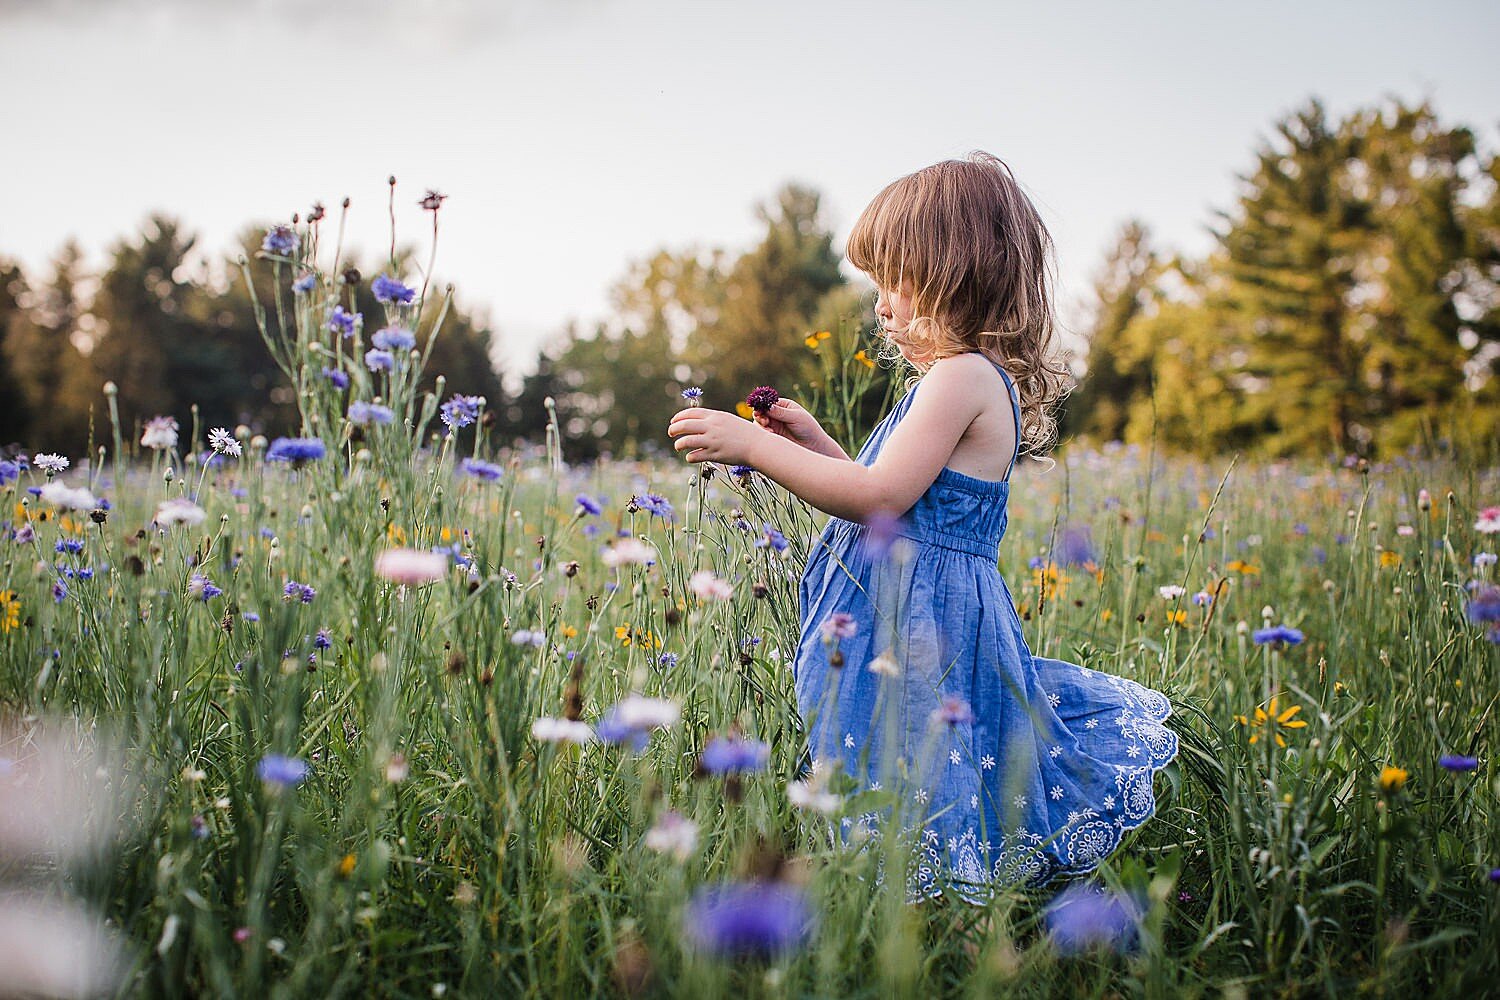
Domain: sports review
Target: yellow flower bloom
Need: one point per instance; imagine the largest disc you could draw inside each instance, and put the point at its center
(743, 409)
(812, 340)
(346, 866)
(1392, 779)
(1238, 566)
(10, 610)
(568, 631)
(396, 533)
(1106, 615)
(1389, 558)
(1051, 581)
(864, 359)
(1178, 617)
(1271, 721)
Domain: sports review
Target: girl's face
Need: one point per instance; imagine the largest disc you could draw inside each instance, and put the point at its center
(894, 311)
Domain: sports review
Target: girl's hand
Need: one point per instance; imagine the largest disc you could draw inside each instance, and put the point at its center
(712, 436)
(789, 420)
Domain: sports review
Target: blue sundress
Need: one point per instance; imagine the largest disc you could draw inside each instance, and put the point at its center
(1008, 768)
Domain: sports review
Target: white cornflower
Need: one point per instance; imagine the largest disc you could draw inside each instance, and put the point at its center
(179, 510)
(708, 587)
(68, 498)
(885, 665)
(527, 637)
(813, 796)
(561, 731)
(223, 442)
(1171, 591)
(160, 434)
(629, 551)
(636, 711)
(50, 463)
(673, 834)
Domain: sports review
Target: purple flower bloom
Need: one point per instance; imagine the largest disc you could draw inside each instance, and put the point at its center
(1278, 633)
(772, 537)
(9, 472)
(760, 919)
(839, 625)
(460, 411)
(59, 591)
(251, 617)
(281, 241)
(1083, 916)
(668, 660)
(762, 398)
(379, 361)
(72, 546)
(1075, 547)
(726, 756)
(1036, 562)
(1484, 604)
(295, 450)
(952, 712)
(342, 323)
(1454, 762)
(294, 591)
(322, 640)
(283, 772)
(692, 394)
(363, 413)
(394, 338)
(202, 587)
(588, 504)
(338, 378)
(488, 471)
(390, 290)
(305, 284)
(652, 503)
(741, 471)
(1495, 874)
(881, 531)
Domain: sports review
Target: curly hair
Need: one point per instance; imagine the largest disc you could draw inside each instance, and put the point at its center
(973, 252)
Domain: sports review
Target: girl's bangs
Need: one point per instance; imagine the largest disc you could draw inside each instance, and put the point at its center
(875, 245)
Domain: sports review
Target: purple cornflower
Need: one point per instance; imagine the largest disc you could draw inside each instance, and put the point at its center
(1083, 916)
(342, 323)
(9, 472)
(305, 284)
(881, 531)
(388, 289)
(294, 591)
(394, 338)
(479, 469)
(322, 640)
(741, 471)
(1495, 874)
(1075, 547)
(759, 919)
(1277, 634)
(379, 361)
(588, 505)
(692, 394)
(59, 591)
(337, 377)
(72, 546)
(839, 625)
(762, 398)
(202, 587)
(295, 450)
(952, 712)
(251, 617)
(727, 756)
(281, 241)
(1484, 604)
(1454, 762)
(460, 411)
(363, 413)
(653, 503)
(771, 536)
(668, 660)
(281, 772)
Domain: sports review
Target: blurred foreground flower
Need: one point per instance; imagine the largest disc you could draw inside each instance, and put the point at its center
(160, 434)
(280, 771)
(1277, 634)
(179, 510)
(51, 948)
(729, 756)
(1085, 916)
(674, 834)
(1392, 779)
(297, 451)
(411, 567)
(631, 719)
(1454, 762)
(748, 919)
(1489, 521)
(68, 498)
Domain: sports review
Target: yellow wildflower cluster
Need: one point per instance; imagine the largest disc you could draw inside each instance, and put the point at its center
(1269, 720)
(1241, 567)
(815, 340)
(629, 636)
(10, 610)
(1050, 580)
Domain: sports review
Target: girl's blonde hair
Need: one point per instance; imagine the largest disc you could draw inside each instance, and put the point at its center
(974, 251)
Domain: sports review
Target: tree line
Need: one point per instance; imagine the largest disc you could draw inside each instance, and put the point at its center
(1350, 305)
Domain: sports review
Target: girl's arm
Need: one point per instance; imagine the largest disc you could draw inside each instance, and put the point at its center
(921, 444)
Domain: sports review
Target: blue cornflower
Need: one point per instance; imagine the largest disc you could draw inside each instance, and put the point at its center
(322, 640)
(482, 470)
(1453, 762)
(1075, 547)
(728, 756)
(281, 241)
(69, 545)
(1300, 529)
(251, 617)
(282, 772)
(952, 712)
(1484, 604)
(363, 413)
(294, 591)
(460, 411)
(390, 290)
(305, 284)
(9, 472)
(295, 450)
(202, 587)
(394, 338)
(668, 660)
(1036, 562)
(653, 503)
(692, 394)
(59, 591)
(1083, 916)
(339, 379)
(751, 919)
(741, 471)
(588, 505)
(342, 323)
(379, 361)
(1278, 633)
(772, 537)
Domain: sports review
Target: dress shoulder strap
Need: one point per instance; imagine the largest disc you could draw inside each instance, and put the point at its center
(1015, 406)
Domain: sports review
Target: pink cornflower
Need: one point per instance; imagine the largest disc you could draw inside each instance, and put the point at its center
(839, 625)
(411, 567)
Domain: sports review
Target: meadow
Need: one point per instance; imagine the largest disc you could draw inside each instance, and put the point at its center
(376, 710)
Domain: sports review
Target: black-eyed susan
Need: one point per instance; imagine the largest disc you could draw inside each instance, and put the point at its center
(1272, 720)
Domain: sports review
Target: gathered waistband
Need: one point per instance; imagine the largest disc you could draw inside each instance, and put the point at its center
(932, 536)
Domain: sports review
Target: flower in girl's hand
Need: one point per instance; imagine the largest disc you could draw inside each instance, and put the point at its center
(692, 394)
(762, 399)
(839, 625)
(952, 712)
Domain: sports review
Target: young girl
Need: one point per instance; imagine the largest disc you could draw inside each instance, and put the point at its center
(912, 670)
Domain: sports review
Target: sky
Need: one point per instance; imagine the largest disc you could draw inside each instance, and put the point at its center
(574, 136)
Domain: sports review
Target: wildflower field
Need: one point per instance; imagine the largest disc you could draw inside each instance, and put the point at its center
(377, 710)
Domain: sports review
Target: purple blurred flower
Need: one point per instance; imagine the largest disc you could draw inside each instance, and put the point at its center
(294, 591)
(342, 323)
(952, 712)
(839, 625)
(363, 413)
(1454, 762)
(1083, 916)
(726, 756)
(1277, 633)
(771, 536)
(282, 772)
(322, 640)
(588, 504)
(338, 378)
(388, 289)
(653, 503)
(9, 472)
(881, 531)
(1484, 604)
(479, 469)
(379, 361)
(295, 450)
(761, 919)
(305, 284)
(1076, 546)
(281, 241)
(393, 338)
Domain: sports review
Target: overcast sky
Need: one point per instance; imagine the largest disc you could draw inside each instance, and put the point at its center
(575, 135)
